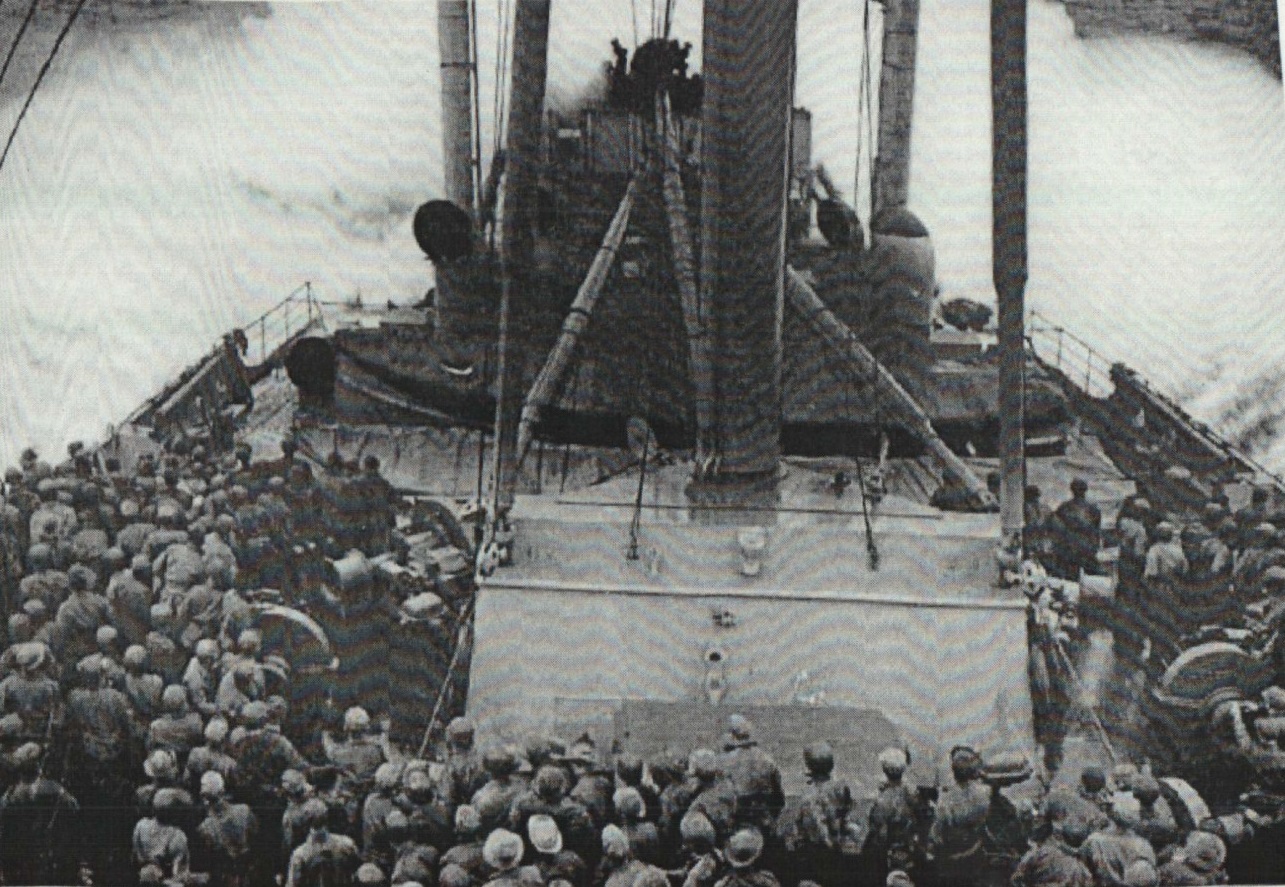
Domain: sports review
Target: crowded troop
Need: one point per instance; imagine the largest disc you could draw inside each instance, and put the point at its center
(146, 737)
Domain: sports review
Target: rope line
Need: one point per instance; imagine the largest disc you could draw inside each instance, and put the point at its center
(44, 69)
(22, 29)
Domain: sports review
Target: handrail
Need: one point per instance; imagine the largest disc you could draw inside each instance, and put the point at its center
(1089, 370)
(313, 313)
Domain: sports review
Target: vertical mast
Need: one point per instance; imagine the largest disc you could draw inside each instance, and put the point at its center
(454, 30)
(1008, 159)
(891, 186)
(523, 140)
(749, 55)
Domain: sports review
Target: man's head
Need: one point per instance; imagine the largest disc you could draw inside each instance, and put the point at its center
(697, 832)
(550, 784)
(459, 733)
(212, 787)
(743, 848)
(965, 763)
(468, 824)
(1079, 488)
(893, 762)
(502, 850)
(216, 731)
(174, 700)
(615, 846)
(356, 721)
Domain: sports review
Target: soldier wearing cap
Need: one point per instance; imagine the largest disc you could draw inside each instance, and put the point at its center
(743, 851)
(548, 795)
(159, 838)
(1077, 530)
(297, 791)
(1165, 571)
(224, 837)
(1199, 861)
(80, 616)
(200, 678)
(618, 863)
(103, 732)
(591, 786)
(212, 757)
(323, 859)
(129, 595)
(178, 728)
(429, 818)
(31, 694)
(631, 815)
(463, 765)
(1109, 853)
(413, 861)
(503, 854)
(492, 800)
(892, 841)
(699, 859)
(38, 819)
(1156, 821)
(375, 809)
(820, 829)
(142, 688)
(754, 777)
(550, 856)
(1055, 861)
(467, 852)
(263, 755)
(714, 795)
(955, 839)
(359, 754)
(164, 656)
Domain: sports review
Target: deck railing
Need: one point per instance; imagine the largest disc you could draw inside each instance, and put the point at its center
(1077, 360)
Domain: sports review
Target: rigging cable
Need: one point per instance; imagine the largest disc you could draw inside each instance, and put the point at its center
(22, 29)
(44, 69)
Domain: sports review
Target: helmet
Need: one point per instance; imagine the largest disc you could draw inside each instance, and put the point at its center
(207, 648)
(294, 783)
(254, 714)
(703, 763)
(743, 848)
(739, 726)
(893, 761)
(216, 730)
(614, 842)
(387, 776)
(502, 850)
(499, 761)
(161, 764)
(544, 834)
(629, 804)
(550, 783)
(1146, 789)
(369, 873)
(696, 828)
(105, 635)
(818, 758)
(212, 785)
(356, 720)
(965, 763)
(459, 730)
(467, 821)
(135, 656)
(174, 699)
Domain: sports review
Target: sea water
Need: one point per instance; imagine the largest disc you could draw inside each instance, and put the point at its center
(176, 176)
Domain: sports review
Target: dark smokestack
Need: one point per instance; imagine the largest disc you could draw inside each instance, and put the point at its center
(453, 31)
(749, 54)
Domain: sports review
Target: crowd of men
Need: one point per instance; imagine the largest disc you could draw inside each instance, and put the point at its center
(146, 738)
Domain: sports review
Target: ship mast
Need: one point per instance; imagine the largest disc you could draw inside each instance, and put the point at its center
(526, 114)
(891, 186)
(458, 78)
(749, 91)
(1008, 159)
